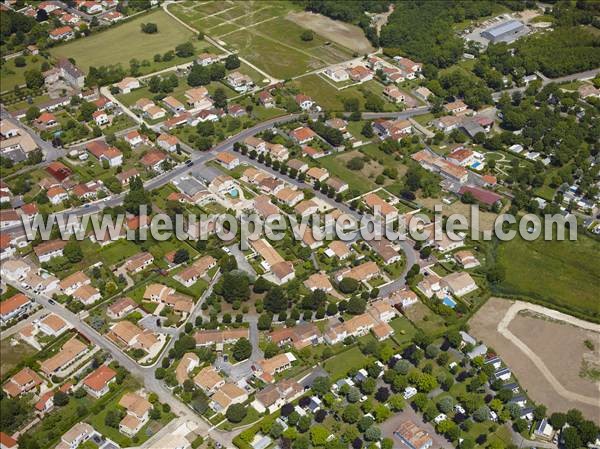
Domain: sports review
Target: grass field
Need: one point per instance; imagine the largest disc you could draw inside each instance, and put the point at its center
(12, 355)
(11, 75)
(563, 273)
(107, 48)
(338, 366)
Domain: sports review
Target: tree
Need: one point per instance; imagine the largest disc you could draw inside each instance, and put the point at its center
(72, 251)
(112, 418)
(351, 414)
(318, 435)
(275, 300)
(61, 398)
(373, 433)
(397, 403)
(382, 394)
(32, 113)
(264, 321)
(236, 413)
(367, 130)
(481, 414)
(185, 50)
(307, 36)
(271, 350)
(321, 385)
(198, 76)
(181, 256)
(242, 349)
(34, 79)
(356, 305)
(235, 287)
(356, 164)
(149, 28)
(219, 97)
(558, 420)
(232, 62)
(348, 285)
(136, 197)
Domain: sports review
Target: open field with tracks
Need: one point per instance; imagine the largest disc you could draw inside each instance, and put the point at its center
(546, 354)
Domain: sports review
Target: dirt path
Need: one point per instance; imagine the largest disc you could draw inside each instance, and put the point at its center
(537, 361)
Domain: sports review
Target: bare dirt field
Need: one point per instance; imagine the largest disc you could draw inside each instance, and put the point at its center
(486, 219)
(545, 353)
(350, 36)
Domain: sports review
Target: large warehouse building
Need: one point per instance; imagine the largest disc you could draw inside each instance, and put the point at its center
(505, 32)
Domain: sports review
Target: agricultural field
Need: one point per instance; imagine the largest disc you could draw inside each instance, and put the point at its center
(99, 49)
(560, 347)
(281, 52)
(554, 272)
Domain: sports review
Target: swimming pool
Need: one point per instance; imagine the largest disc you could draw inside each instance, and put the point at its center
(234, 193)
(475, 165)
(448, 301)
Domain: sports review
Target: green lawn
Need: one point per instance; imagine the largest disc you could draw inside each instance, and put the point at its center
(355, 179)
(558, 273)
(338, 366)
(125, 42)
(11, 75)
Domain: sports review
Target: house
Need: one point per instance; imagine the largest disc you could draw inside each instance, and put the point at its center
(97, 383)
(168, 142)
(276, 364)
(59, 171)
(7, 442)
(155, 112)
(274, 396)
(239, 81)
(216, 336)
(299, 166)
(91, 7)
(360, 74)
(478, 351)
(392, 129)
(380, 207)
(62, 33)
(463, 157)
(302, 135)
(299, 336)
(153, 160)
(209, 380)
(384, 248)
(101, 118)
(430, 284)
(45, 121)
(481, 195)
(101, 151)
(304, 102)
(72, 282)
(173, 104)
(227, 395)
(7, 247)
(404, 298)
(502, 374)
(72, 351)
(127, 176)
(134, 138)
(78, 434)
(188, 363)
(127, 84)
(312, 152)
(57, 195)
(277, 151)
(227, 160)
(22, 382)
(236, 110)
(337, 123)
(46, 251)
(382, 311)
(423, 93)
(337, 74)
(289, 196)
(306, 208)
(87, 294)
(456, 107)
(316, 174)
(9, 217)
(15, 269)
(362, 273)
(393, 94)
(121, 308)
(280, 270)
(544, 431)
(266, 99)
(338, 249)
(137, 413)
(198, 98)
(337, 184)
(205, 59)
(466, 259)
(157, 292)
(131, 336)
(413, 436)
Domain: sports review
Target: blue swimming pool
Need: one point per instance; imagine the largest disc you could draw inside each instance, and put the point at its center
(448, 301)
(234, 193)
(476, 165)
